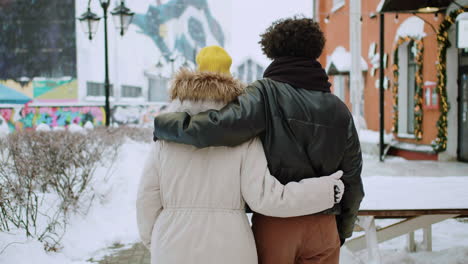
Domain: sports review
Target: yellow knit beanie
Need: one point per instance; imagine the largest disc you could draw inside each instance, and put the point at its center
(214, 59)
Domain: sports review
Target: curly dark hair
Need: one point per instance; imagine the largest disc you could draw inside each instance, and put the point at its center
(297, 37)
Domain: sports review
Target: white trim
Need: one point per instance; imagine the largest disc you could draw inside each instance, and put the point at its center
(99, 98)
(337, 6)
(379, 6)
(452, 94)
(139, 99)
(405, 135)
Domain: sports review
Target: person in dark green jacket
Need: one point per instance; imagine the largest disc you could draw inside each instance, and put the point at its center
(306, 131)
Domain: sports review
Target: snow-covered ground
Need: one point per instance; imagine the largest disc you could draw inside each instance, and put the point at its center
(111, 219)
(399, 183)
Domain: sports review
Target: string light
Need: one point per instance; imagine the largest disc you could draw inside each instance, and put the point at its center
(436, 16)
(396, 18)
(327, 19)
(440, 143)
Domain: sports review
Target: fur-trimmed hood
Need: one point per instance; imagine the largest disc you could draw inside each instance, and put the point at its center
(205, 86)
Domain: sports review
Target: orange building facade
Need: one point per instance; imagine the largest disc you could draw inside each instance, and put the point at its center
(413, 104)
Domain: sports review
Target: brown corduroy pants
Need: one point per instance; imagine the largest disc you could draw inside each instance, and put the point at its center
(311, 239)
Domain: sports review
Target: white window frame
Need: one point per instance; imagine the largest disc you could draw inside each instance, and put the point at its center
(124, 87)
(339, 86)
(161, 88)
(99, 97)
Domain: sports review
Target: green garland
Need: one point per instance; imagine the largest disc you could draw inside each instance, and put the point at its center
(443, 43)
(418, 93)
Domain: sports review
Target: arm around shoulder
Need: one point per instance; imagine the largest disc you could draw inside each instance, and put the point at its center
(234, 124)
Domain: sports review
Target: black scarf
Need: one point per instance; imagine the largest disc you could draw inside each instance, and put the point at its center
(299, 72)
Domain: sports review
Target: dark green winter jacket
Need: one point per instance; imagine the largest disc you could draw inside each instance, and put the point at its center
(304, 134)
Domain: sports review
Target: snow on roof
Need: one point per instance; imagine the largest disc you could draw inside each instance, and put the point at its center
(413, 27)
(380, 5)
(462, 16)
(340, 62)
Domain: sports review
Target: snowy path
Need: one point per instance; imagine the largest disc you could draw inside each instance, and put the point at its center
(112, 221)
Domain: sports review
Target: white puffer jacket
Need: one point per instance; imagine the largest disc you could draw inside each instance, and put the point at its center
(191, 202)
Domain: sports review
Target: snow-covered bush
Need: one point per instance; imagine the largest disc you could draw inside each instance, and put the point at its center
(138, 134)
(46, 175)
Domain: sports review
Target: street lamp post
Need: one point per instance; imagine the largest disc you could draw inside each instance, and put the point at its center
(105, 6)
(122, 18)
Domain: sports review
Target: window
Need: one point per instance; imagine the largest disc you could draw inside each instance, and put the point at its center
(131, 91)
(249, 71)
(337, 4)
(157, 89)
(97, 89)
(412, 68)
(339, 86)
(406, 89)
(250, 75)
(259, 72)
(240, 72)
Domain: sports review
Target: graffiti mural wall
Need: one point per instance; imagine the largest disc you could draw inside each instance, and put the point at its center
(194, 24)
(40, 44)
(28, 117)
(167, 33)
(38, 49)
(23, 118)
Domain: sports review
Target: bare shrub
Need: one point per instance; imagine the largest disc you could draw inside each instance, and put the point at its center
(45, 175)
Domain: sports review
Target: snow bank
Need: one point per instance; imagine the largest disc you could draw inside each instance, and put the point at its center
(111, 218)
(4, 130)
(43, 127)
(74, 128)
(415, 193)
(369, 136)
(413, 27)
(88, 125)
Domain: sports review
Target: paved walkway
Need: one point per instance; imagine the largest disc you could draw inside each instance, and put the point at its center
(137, 254)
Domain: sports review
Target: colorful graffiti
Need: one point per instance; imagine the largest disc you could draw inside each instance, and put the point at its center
(55, 90)
(154, 22)
(26, 117)
(40, 90)
(21, 118)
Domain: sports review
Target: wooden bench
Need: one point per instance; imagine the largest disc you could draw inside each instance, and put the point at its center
(412, 219)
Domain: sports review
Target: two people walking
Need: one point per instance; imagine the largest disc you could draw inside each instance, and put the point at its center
(269, 145)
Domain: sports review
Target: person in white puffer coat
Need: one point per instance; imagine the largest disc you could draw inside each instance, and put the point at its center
(191, 202)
